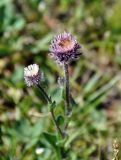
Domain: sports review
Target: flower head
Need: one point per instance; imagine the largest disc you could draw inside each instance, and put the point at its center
(64, 48)
(32, 75)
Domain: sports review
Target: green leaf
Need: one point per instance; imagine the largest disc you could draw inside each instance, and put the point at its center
(53, 105)
(62, 141)
(42, 45)
(91, 83)
(60, 120)
(73, 102)
(51, 138)
(104, 89)
(18, 74)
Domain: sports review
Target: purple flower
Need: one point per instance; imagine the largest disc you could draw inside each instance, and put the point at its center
(32, 75)
(64, 48)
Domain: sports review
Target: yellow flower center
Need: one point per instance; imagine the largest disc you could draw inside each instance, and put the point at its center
(65, 43)
(33, 72)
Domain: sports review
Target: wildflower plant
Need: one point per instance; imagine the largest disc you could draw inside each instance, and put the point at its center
(64, 48)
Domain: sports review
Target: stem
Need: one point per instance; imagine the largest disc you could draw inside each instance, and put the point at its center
(68, 108)
(51, 110)
(45, 94)
(57, 126)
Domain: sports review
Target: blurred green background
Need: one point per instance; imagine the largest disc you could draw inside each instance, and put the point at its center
(26, 29)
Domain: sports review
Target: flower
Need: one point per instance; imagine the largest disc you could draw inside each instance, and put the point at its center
(32, 75)
(64, 48)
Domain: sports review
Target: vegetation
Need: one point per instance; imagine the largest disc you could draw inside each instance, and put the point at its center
(27, 131)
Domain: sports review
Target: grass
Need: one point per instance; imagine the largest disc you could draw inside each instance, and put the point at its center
(26, 29)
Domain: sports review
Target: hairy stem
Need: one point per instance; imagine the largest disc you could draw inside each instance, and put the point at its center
(68, 108)
(51, 110)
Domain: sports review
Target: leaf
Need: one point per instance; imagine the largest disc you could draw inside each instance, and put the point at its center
(62, 141)
(104, 89)
(42, 45)
(38, 127)
(18, 74)
(60, 120)
(91, 83)
(4, 50)
(53, 105)
(73, 102)
(51, 138)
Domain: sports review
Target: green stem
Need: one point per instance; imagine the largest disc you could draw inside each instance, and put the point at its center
(57, 126)
(51, 110)
(48, 99)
